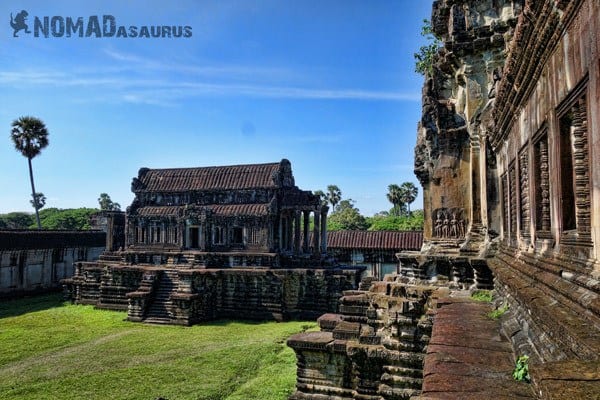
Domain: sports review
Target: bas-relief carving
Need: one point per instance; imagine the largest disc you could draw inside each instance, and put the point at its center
(449, 223)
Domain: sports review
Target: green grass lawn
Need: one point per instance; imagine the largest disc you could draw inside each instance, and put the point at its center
(54, 350)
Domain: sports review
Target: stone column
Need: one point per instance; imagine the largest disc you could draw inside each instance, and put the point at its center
(324, 230)
(296, 232)
(280, 234)
(202, 236)
(305, 228)
(290, 232)
(475, 183)
(316, 233)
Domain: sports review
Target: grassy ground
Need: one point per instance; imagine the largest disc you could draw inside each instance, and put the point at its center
(53, 350)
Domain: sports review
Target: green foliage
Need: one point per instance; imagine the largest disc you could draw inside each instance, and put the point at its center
(334, 196)
(70, 218)
(382, 222)
(497, 313)
(346, 216)
(521, 371)
(322, 196)
(106, 204)
(63, 351)
(16, 220)
(39, 201)
(401, 197)
(427, 54)
(482, 295)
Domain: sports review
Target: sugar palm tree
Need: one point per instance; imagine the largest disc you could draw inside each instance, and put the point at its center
(408, 193)
(30, 136)
(334, 195)
(394, 196)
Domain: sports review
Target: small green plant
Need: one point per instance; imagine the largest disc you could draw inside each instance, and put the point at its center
(427, 54)
(482, 295)
(521, 372)
(497, 313)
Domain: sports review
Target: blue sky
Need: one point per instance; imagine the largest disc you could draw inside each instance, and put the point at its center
(329, 85)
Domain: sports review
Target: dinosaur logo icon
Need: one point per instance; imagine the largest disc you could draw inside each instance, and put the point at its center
(18, 22)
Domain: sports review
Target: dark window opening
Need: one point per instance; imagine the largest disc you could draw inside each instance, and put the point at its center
(194, 242)
(567, 191)
(237, 235)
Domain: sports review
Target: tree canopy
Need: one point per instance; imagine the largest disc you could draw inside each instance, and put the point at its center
(106, 204)
(346, 216)
(50, 218)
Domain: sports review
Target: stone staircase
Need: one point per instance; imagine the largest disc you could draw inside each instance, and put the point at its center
(159, 311)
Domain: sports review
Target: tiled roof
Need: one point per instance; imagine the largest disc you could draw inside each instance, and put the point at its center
(241, 209)
(391, 240)
(218, 209)
(209, 178)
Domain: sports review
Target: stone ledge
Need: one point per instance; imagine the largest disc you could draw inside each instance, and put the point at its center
(467, 358)
(566, 380)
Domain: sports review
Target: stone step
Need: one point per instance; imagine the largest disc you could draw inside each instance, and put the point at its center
(158, 320)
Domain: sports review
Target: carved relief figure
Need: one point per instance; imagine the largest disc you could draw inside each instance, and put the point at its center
(449, 223)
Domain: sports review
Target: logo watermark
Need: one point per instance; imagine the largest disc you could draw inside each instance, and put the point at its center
(93, 26)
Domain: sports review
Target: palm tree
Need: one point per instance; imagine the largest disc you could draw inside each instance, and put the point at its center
(408, 193)
(394, 197)
(334, 195)
(30, 136)
(106, 203)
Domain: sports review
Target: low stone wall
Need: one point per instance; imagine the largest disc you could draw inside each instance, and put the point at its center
(34, 261)
(372, 350)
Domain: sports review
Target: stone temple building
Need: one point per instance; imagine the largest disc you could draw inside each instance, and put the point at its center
(237, 210)
(506, 152)
(215, 242)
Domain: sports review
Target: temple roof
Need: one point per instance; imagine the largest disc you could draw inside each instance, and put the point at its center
(260, 209)
(249, 176)
(384, 240)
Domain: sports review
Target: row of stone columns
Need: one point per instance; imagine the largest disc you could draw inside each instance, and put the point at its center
(294, 235)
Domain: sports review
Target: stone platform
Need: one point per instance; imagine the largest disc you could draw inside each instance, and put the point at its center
(467, 358)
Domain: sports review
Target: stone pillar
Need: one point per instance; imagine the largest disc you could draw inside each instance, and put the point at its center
(306, 231)
(324, 230)
(296, 232)
(279, 241)
(475, 183)
(316, 234)
(202, 236)
(290, 232)
(187, 235)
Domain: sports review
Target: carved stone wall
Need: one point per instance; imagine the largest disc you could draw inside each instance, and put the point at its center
(196, 295)
(457, 98)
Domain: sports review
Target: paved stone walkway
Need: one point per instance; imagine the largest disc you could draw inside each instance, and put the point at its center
(467, 358)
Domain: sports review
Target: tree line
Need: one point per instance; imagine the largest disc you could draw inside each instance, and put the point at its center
(30, 137)
(345, 215)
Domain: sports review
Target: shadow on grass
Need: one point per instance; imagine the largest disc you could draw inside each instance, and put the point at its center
(24, 305)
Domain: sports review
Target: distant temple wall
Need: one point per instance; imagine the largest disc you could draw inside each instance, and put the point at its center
(35, 261)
